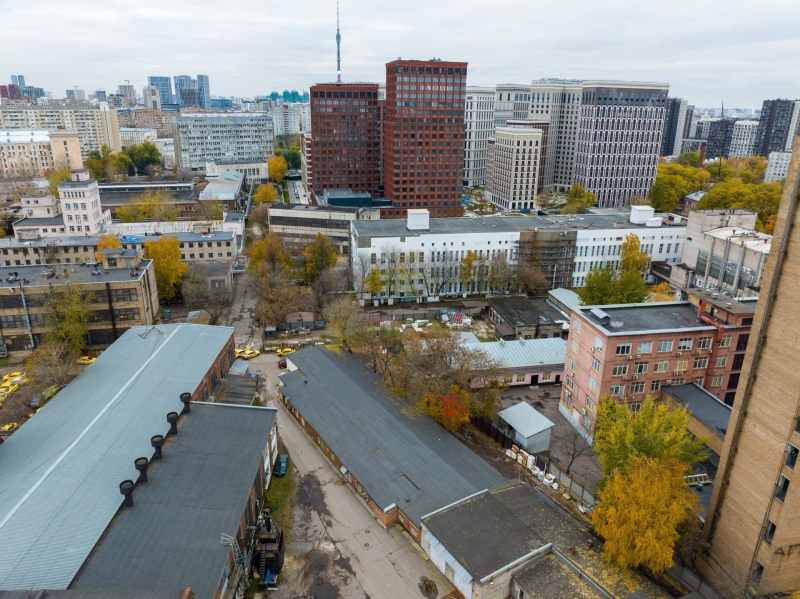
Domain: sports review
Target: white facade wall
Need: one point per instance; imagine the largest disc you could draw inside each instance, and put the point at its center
(558, 102)
(743, 139)
(479, 119)
(514, 167)
(512, 101)
(777, 166)
(129, 136)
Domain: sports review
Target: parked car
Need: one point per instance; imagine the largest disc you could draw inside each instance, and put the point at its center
(12, 375)
(284, 351)
(9, 428)
(249, 353)
(282, 465)
(85, 360)
(282, 363)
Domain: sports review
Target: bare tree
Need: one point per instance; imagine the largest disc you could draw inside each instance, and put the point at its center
(344, 320)
(440, 269)
(330, 285)
(278, 297)
(391, 266)
(572, 444)
(362, 265)
(202, 294)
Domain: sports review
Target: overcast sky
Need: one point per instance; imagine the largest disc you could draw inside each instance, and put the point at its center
(709, 51)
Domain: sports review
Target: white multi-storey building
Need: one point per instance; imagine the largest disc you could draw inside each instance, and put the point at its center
(222, 137)
(76, 212)
(96, 125)
(557, 102)
(777, 166)
(289, 119)
(512, 101)
(419, 257)
(479, 118)
(743, 139)
(514, 162)
(619, 139)
(129, 136)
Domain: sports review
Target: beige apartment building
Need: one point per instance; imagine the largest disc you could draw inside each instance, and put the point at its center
(146, 118)
(514, 162)
(28, 153)
(121, 293)
(753, 522)
(96, 125)
(630, 351)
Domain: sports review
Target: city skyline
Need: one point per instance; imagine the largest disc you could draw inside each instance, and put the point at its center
(705, 54)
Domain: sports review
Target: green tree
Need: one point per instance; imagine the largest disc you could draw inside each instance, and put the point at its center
(292, 156)
(56, 178)
(66, 316)
(319, 256)
(666, 193)
(277, 168)
(142, 155)
(640, 512)
(631, 256)
(599, 286)
(166, 256)
(578, 200)
(689, 159)
(629, 288)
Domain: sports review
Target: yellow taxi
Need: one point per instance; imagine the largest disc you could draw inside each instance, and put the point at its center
(85, 360)
(284, 351)
(249, 353)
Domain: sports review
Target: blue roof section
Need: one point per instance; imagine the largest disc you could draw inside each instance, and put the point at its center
(522, 353)
(399, 457)
(60, 472)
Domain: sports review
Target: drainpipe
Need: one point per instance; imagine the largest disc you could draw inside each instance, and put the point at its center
(111, 310)
(27, 316)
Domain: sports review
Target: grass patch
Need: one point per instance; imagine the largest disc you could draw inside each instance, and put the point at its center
(279, 497)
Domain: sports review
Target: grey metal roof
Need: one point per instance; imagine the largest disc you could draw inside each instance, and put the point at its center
(40, 222)
(523, 353)
(648, 317)
(522, 311)
(35, 275)
(401, 459)
(496, 224)
(525, 419)
(567, 297)
(483, 534)
(705, 407)
(170, 538)
(61, 470)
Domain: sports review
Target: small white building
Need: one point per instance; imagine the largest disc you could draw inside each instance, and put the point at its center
(129, 136)
(530, 429)
(777, 166)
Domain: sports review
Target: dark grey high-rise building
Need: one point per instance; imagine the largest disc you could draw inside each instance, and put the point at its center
(188, 97)
(676, 126)
(21, 80)
(777, 127)
(164, 85)
(720, 135)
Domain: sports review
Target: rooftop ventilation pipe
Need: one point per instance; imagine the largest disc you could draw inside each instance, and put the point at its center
(157, 441)
(126, 488)
(141, 465)
(186, 398)
(172, 418)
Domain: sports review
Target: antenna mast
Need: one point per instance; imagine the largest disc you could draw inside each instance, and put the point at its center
(338, 43)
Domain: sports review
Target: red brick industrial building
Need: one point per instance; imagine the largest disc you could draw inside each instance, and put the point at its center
(424, 136)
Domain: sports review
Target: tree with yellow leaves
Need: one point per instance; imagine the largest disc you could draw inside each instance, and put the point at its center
(661, 293)
(265, 194)
(318, 256)
(268, 255)
(639, 511)
(166, 256)
(105, 242)
(631, 256)
(277, 168)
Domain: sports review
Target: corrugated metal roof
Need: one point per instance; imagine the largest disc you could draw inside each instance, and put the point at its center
(522, 353)
(60, 472)
(398, 457)
(525, 419)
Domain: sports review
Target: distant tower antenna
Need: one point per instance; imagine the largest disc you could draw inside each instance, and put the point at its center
(338, 44)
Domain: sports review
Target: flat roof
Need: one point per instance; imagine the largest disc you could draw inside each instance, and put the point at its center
(233, 216)
(78, 240)
(549, 577)
(35, 275)
(567, 297)
(734, 305)
(40, 222)
(313, 208)
(61, 470)
(499, 224)
(171, 537)
(656, 317)
(522, 353)
(399, 458)
(482, 534)
(747, 238)
(522, 311)
(709, 410)
(222, 186)
(525, 419)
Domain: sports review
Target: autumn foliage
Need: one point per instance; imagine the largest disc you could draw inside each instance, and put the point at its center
(451, 409)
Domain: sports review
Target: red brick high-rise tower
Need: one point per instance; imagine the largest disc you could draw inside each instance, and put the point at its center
(424, 134)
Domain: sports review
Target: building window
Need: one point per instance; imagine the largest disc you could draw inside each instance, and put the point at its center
(576, 326)
(769, 533)
(545, 376)
(520, 378)
(701, 362)
(644, 347)
(665, 345)
(661, 366)
(508, 379)
(791, 457)
(655, 385)
(685, 344)
(587, 422)
(725, 341)
(678, 381)
(620, 369)
(704, 343)
(574, 346)
(623, 349)
(783, 488)
(682, 365)
(640, 368)
(598, 343)
(698, 381)
(571, 364)
(716, 380)
(721, 362)
(567, 398)
(595, 364)
(637, 387)
(617, 390)
(590, 405)
(592, 384)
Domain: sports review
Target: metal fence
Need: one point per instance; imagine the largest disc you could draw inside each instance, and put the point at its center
(692, 581)
(491, 430)
(577, 491)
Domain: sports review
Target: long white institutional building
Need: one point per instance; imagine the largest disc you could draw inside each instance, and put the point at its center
(419, 257)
